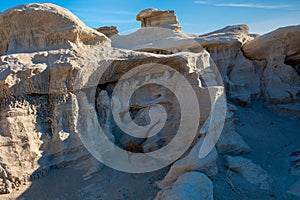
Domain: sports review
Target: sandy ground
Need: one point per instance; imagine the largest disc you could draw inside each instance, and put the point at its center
(272, 139)
(69, 184)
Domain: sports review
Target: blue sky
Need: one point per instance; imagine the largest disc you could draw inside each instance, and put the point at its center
(195, 16)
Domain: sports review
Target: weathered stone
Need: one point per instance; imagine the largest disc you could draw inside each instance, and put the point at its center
(232, 144)
(280, 80)
(38, 27)
(155, 18)
(38, 118)
(108, 30)
(191, 185)
(51, 63)
(191, 162)
(253, 173)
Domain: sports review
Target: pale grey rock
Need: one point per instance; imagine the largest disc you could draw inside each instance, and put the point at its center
(241, 76)
(281, 84)
(155, 40)
(153, 17)
(228, 34)
(191, 185)
(40, 90)
(280, 80)
(191, 162)
(251, 172)
(37, 27)
(232, 144)
(42, 72)
(263, 47)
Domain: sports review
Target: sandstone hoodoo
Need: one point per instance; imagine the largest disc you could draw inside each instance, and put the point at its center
(153, 17)
(108, 30)
(70, 95)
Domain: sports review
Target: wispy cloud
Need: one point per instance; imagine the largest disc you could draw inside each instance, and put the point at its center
(101, 11)
(247, 5)
(113, 21)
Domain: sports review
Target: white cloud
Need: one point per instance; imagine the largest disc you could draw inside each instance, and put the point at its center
(112, 21)
(247, 5)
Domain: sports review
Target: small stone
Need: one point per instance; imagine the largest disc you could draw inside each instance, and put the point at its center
(251, 172)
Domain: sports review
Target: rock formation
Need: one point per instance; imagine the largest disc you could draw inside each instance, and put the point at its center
(108, 30)
(245, 73)
(56, 28)
(250, 171)
(155, 18)
(58, 78)
(280, 80)
(43, 83)
(191, 185)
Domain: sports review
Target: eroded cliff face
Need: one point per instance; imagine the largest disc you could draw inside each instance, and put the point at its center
(43, 86)
(280, 79)
(57, 86)
(241, 76)
(252, 67)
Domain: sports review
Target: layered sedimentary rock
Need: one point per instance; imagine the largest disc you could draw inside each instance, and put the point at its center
(155, 18)
(34, 129)
(240, 75)
(248, 73)
(108, 30)
(56, 72)
(223, 45)
(280, 80)
(54, 29)
(44, 87)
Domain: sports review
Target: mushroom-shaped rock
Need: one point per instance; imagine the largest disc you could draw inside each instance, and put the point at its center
(108, 30)
(153, 17)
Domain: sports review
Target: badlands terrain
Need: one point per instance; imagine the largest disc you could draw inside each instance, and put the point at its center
(58, 78)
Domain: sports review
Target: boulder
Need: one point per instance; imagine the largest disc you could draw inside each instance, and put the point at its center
(232, 144)
(38, 27)
(191, 162)
(280, 50)
(253, 173)
(191, 185)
